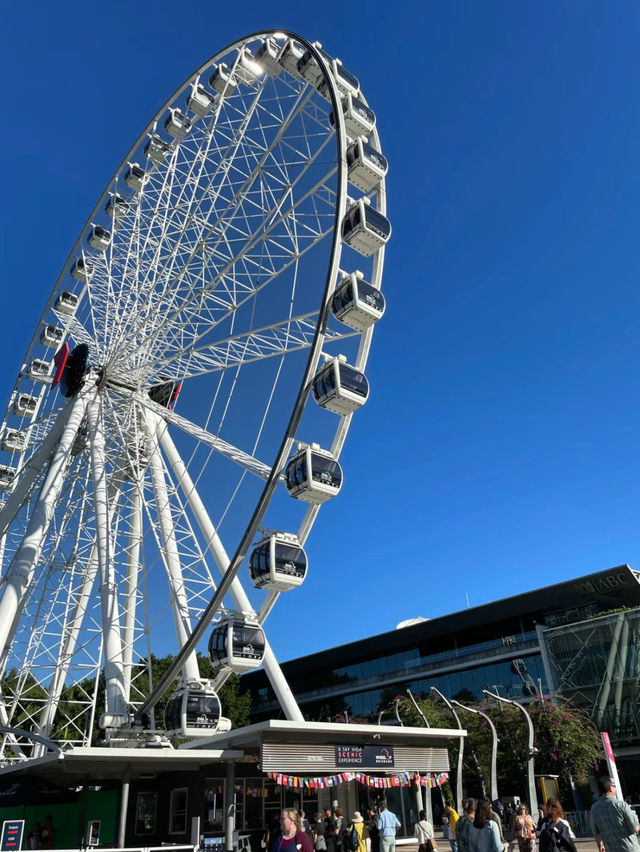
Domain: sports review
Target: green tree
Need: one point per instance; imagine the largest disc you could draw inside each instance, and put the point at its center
(567, 742)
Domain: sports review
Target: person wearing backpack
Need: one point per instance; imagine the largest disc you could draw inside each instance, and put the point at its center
(357, 838)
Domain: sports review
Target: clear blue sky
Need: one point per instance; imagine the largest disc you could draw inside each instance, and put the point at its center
(499, 450)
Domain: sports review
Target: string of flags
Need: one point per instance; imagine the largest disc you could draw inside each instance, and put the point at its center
(431, 779)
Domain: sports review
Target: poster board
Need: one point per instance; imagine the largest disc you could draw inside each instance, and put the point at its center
(12, 832)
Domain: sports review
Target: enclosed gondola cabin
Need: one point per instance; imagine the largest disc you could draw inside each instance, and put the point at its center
(66, 303)
(278, 563)
(313, 475)
(291, 54)
(223, 81)
(339, 387)
(200, 100)
(194, 711)
(99, 238)
(247, 70)
(310, 69)
(267, 55)
(366, 166)
(135, 176)
(365, 229)
(236, 644)
(116, 206)
(25, 405)
(156, 149)
(39, 371)
(359, 120)
(357, 303)
(81, 269)
(346, 83)
(177, 124)
(7, 475)
(51, 336)
(14, 441)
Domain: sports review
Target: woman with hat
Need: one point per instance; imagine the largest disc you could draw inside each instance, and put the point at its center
(357, 839)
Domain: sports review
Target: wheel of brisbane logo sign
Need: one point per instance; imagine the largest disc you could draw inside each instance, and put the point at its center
(361, 756)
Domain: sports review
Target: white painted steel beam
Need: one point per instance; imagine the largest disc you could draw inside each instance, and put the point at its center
(170, 555)
(272, 668)
(116, 710)
(20, 573)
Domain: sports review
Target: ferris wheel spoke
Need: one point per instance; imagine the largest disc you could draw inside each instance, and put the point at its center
(278, 339)
(251, 254)
(216, 443)
(224, 165)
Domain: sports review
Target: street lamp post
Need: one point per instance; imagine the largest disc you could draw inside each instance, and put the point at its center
(493, 780)
(531, 749)
(439, 695)
(427, 792)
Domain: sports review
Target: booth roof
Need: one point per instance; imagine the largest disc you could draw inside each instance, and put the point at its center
(277, 730)
(79, 766)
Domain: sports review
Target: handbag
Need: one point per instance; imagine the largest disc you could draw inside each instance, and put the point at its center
(321, 843)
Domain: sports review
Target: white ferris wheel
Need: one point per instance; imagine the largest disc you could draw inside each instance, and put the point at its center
(160, 422)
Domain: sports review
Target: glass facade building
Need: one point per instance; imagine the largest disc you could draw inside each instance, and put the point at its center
(563, 638)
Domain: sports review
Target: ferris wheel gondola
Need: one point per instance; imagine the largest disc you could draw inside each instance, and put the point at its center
(207, 282)
(278, 563)
(194, 711)
(237, 643)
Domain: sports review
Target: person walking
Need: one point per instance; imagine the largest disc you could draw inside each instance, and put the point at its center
(452, 816)
(318, 830)
(555, 832)
(523, 830)
(423, 832)
(613, 823)
(484, 835)
(387, 824)
(463, 826)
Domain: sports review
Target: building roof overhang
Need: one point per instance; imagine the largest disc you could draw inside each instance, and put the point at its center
(80, 766)
(250, 739)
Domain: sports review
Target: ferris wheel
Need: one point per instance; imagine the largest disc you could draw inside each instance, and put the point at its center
(161, 422)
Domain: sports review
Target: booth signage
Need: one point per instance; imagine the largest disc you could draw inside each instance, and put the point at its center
(12, 831)
(358, 756)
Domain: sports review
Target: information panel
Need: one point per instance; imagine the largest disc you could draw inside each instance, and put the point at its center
(355, 756)
(12, 831)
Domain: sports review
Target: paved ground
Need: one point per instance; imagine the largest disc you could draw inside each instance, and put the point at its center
(584, 844)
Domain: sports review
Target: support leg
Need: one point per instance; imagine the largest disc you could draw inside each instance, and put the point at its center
(116, 711)
(274, 672)
(230, 807)
(170, 555)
